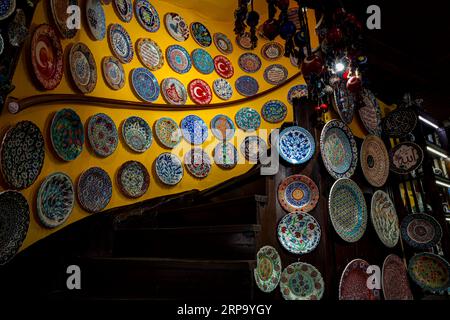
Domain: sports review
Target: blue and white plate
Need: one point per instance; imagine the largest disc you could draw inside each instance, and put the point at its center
(223, 89)
(247, 86)
(298, 91)
(253, 148)
(274, 111)
(226, 155)
(168, 168)
(248, 119)
(121, 44)
(194, 129)
(223, 127)
(96, 19)
(124, 9)
(296, 145)
(178, 59)
(147, 15)
(145, 84)
(203, 61)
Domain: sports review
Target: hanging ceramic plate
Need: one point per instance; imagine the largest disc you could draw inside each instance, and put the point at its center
(201, 34)
(275, 74)
(178, 59)
(296, 145)
(194, 129)
(200, 92)
(338, 149)
(249, 62)
(173, 91)
(176, 26)
(60, 16)
(222, 43)
(7, 8)
(83, 67)
(14, 222)
(102, 134)
(145, 84)
(121, 44)
(247, 86)
(133, 179)
(223, 89)
(384, 219)
(223, 67)
(298, 193)
(253, 148)
(94, 189)
(430, 271)
(244, 41)
(348, 211)
(301, 281)
(268, 269)
(399, 123)
(137, 134)
(55, 200)
(124, 9)
(343, 102)
(95, 16)
(198, 163)
(299, 233)
(272, 51)
(146, 15)
(225, 155)
(298, 91)
(353, 284)
(168, 132)
(370, 113)
(113, 73)
(421, 231)
(405, 157)
(47, 57)
(67, 134)
(248, 119)
(222, 127)
(395, 279)
(274, 111)
(374, 160)
(202, 61)
(150, 54)
(169, 169)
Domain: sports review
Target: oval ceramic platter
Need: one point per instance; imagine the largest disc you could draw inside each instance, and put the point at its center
(394, 279)
(222, 43)
(95, 16)
(248, 119)
(150, 54)
(198, 163)
(301, 281)
(247, 86)
(343, 102)
(176, 26)
(226, 155)
(178, 59)
(67, 134)
(222, 127)
(147, 16)
(249, 62)
(94, 190)
(275, 74)
(272, 51)
(298, 193)
(296, 145)
(374, 160)
(113, 73)
(102, 134)
(168, 132)
(124, 9)
(399, 123)
(353, 284)
(370, 113)
(384, 219)
(121, 44)
(223, 89)
(145, 84)
(299, 233)
(253, 148)
(405, 157)
(199, 91)
(268, 269)
(83, 68)
(421, 231)
(223, 67)
(137, 134)
(430, 271)
(201, 34)
(168, 169)
(173, 91)
(202, 61)
(60, 16)
(274, 111)
(194, 129)
(133, 179)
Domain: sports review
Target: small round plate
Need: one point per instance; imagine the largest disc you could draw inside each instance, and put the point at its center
(194, 129)
(83, 68)
(299, 233)
(202, 61)
(247, 86)
(370, 113)
(421, 231)
(169, 169)
(268, 269)
(124, 9)
(395, 281)
(95, 16)
(296, 145)
(173, 91)
(298, 193)
(222, 127)
(199, 91)
(374, 160)
(297, 91)
(60, 16)
(249, 62)
(120, 43)
(113, 73)
(178, 59)
(168, 132)
(223, 89)
(430, 271)
(197, 163)
(145, 84)
(353, 284)
(253, 148)
(272, 51)
(201, 34)
(384, 219)
(147, 16)
(244, 42)
(102, 134)
(274, 111)
(275, 74)
(248, 119)
(405, 157)
(301, 281)
(133, 179)
(223, 67)
(150, 54)
(137, 134)
(225, 155)
(176, 26)
(343, 102)
(67, 134)
(94, 190)
(222, 43)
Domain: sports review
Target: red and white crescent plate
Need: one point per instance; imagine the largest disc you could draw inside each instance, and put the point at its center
(200, 91)
(223, 67)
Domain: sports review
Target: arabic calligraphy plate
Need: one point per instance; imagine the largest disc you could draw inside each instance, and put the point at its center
(399, 123)
(137, 134)
(147, 16)
(395, 279)
(94, 190)
(272, 51)
(202, 61)
(384, 219)
(150, 54)
(430, 271)
(145, 84)
(421, 231)
(113, 73)
(370, 113)
(298, 91)
(168, 132)
(299, 233)
(253, 148)
(133, 179)
(95, 16)
(178, 59)
(222, 127)
(374, 160)
(249, 62)
(124, 9)
(176, 26)
(274, 111)
(298, 193)
(198, 163)
(200, 92)
(83, 68)
(248, 119)
(223, 67)
(121, 44)
(296, 145)
(275, 74)
(225, 155)
(169, 169)
(201, 34)
(222, 43)
(102, 134)
(173, 91)
(353, 284)
(405, 157)
(194, 129)
(67, 134)
(60, 16)
(268, 269)
(223, 89)
(301, 281)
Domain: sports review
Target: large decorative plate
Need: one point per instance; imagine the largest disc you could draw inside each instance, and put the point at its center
(299, 233)
(102, 134)
(244, 41)
(121, 44)
(47, 57)
(150, 54)
(173, 91)
(421, 231)
(384, 219)
(275, 74)
(338, 149)
(374, 160)
(222, 43)
(348, 211)
(370, 113)
(22, 155)
(274, 111)
(296, 145)
(199, 91)
(94, 189)
(95, 16)
(253, 148)
(113, 73)
(124, 9)
(248, 119)
(247, 86)
(223, 67)
(222, 127)
(430, 271)
(301, 281)
(249, 62)
(137, 134)
(353, 284)
(198, 163)
(272, 51)
(83, 67)
(133, 179)
(225, 155)
(67, 134)
(202, 61)
(55, 200)
(298, 193)
(298, 91)
(268, 269)
(176, 26)
(223, 89)
(168, 132)
(399, 123)
(147, 15)
(395, 279)
(343, 102)
(405, 157)
(178, 59)
(60, 15)
(201, 34)
(194, 129)
(14, 222)
(145, 84)
(7, 8)
(169, 169)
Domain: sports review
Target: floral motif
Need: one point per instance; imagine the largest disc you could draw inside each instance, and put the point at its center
(147, 15)
(194, 129)
(145, 84)
(121, 44)
(222, 43)
(296, 145)
(253, 148)
(96, 19)
(168, 132)
(395, 279)
(133, 179)
(67, 134)
(248, 119)
(169, 169)
(137, 134)
(102, 134)
(301, 281)
(421, 231)
(268, 270)
(94, 190)
(177, 27)
(203, 61)
(274, 111)
(430, 271)
(384, 219)
(197, 163)
(223, 89)
(178, 59)
(201, 34)
(298, 193)
(299, 233)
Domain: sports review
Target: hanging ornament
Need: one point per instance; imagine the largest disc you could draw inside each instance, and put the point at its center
(271, 29)
(354, 84)
(312, 65)
(287, 31)
(252, 22)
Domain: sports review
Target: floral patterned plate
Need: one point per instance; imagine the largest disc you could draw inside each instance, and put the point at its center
(145, 84)
(83, 68)
(248, 119)
(268, 269)
(169, 169)
(298, 193)
(133, 179)
(353, 284)
(201, 34)
(102, 134)
(178, 59)
(194, 129)
(199, 91)
(405, 157)
(198, 163)
(249, 62)
(301, 281)
(147, 16)
(395, 281)
(168, 132)
(124, 9)
(299, 233)
(223, 67)
(370, 113)
(173, 91)
(222, 43)
(253, 148)
(298, 91)
(223, 89)
(274, 111)
(150, 54)
(176, 26)
(94, 190)
(137, 134)
(430, 271)
(67, 134)
(121, 44)
(384, 219)
(113, 73)
(247, 86)
(296, 145)
(95, 16)
(222, 127)
(226, 155)
(374, 160)
(202, 61)
(421, 231)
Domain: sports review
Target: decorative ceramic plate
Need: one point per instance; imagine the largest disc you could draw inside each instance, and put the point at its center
(67, 134)
(83, 67)
(222, 43)
(370, 113)
(247, 86)
(198, 163)
(249, 62)
(343, 102)
(384, 219)
(223, 67)
(173, 91)
(395, 279)
(176, 26)
(150, 54)
(275, 74)
(137, 134)
(200, 92)
(399, 123)
(145, 84)
(421, 231)
(124, 9)
(296, 145)
(225, 155)
(299, 233)
(7, 8)
(348, 211)
(272, 51)
(222, 127)
(248, 119)
(405, 157)
(201, 34)
(113, 73)
(121, 44)
(298, 91)
(133, 179)
(94, 189)
(301, 281)
(338, 149)
(298, 193)
(55, 200)
(353, 284)
(202, 61)
(178, 59)
(374, 160)
(47, 57)
(95, 16)
(60, 15)
(22, 155)
(14, 222)
(147, 15)
(253, 148)
(168, 132)
(169, 169)
(194, 129)
(102, 134)
(268, 269)
(244, 41)
(430, 271)
(223, 89)
(274, 111)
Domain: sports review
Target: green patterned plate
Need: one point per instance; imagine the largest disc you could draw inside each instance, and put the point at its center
(133, 179)
(301, 281)
(268, 269)
(168, 132)
(67, 134)
(430, 271)
(137, 134)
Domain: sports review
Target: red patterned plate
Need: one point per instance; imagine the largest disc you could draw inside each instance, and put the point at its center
(353, 285)
(200, 91)
(395, 279)
(223, 67)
